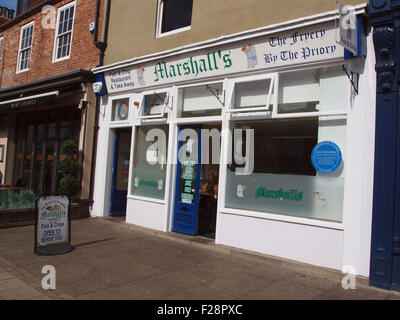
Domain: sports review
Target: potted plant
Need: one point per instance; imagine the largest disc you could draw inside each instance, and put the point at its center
(69, 184)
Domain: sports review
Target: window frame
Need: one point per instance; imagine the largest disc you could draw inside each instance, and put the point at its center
(57, 36)
(273, 90)
(336, 114)
(159, 33)
(196, 119)
(24, 27)
(135, 144)
(141, 115)
(116, 98)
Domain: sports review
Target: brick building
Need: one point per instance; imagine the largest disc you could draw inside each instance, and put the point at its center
(46, 94)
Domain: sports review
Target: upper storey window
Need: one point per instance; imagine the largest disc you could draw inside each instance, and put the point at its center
(65, 24)
(174, 16)
(25, 47)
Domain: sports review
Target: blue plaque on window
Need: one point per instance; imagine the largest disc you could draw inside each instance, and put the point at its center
(326, 157)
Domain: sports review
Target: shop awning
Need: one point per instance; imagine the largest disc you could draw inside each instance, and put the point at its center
(27, 101)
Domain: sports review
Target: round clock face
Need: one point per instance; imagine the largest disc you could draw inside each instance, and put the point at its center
(123, 111)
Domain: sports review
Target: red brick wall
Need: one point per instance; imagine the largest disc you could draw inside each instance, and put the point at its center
(84, 53)
(34, 3)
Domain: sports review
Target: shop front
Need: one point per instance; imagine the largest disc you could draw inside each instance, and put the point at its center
(42, 116)
(260, 141)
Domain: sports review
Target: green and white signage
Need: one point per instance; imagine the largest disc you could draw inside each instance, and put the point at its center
(299, 46)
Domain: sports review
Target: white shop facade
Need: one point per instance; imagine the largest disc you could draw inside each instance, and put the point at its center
(258, 140)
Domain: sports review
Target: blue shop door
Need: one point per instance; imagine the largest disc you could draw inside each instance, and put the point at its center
(187, 183)
(119, 191)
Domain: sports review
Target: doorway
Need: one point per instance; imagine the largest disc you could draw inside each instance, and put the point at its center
(195, 210)
(120, 173)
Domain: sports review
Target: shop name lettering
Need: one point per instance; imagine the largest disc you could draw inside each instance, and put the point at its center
(193, 66)
(148, 183)
(25, 103)
(53, 214)
(304, 53)
(121, 80)
(279, 194)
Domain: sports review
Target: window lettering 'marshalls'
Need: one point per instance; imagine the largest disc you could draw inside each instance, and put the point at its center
(193, 66)
(280, 194)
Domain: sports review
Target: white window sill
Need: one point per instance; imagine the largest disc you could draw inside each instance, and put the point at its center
(139, 198)
(61, 59)
(284, 218)
(169, 33)
(22, 71)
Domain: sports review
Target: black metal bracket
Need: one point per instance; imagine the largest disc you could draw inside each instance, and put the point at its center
(353, 77)
(215, 94)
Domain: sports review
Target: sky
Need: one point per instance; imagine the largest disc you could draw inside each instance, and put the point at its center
(12, 4)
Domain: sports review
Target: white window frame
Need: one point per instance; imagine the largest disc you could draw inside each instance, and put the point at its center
(273, 89)
(193, 120)
(118, 122)
(1, 47)
(28, 25)
(163, 109)
(159, 32)
(57, 36)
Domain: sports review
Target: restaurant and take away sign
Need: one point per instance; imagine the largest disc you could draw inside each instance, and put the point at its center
(310, 44)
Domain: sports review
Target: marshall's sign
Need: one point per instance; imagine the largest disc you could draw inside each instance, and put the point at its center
(310, 44)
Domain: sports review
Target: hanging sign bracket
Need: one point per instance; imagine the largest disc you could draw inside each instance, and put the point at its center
(354, 78)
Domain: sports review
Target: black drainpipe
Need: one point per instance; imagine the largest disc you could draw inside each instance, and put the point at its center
(102, 45)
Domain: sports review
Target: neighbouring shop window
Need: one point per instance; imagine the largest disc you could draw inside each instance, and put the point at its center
(25, 47)
(120, 109)
(200, 101)
(174, 15)
(253, 95)
(63, 40)
(284, 180)
(150, 164)
(153, 105)
(39, 153)
(323, 89)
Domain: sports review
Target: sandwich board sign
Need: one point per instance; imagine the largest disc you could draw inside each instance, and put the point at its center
(52, 226)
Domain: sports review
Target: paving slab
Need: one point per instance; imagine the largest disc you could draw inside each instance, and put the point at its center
(200, 292)
(127, 291)
(173, 282)
(237, 285)
(22, 293)
(338, 293)
(279, 291)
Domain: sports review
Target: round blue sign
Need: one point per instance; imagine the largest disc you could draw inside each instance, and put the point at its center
(326, 157)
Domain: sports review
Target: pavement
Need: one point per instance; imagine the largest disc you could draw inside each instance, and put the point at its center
(114, 260)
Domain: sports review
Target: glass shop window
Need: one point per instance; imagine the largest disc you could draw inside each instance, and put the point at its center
(120, 109)
(150, 162)
(200, 101)
(323, 89)
(283, 179)
(154, 105)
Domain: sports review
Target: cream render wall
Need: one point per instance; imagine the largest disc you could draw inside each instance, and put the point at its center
(132, 28)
